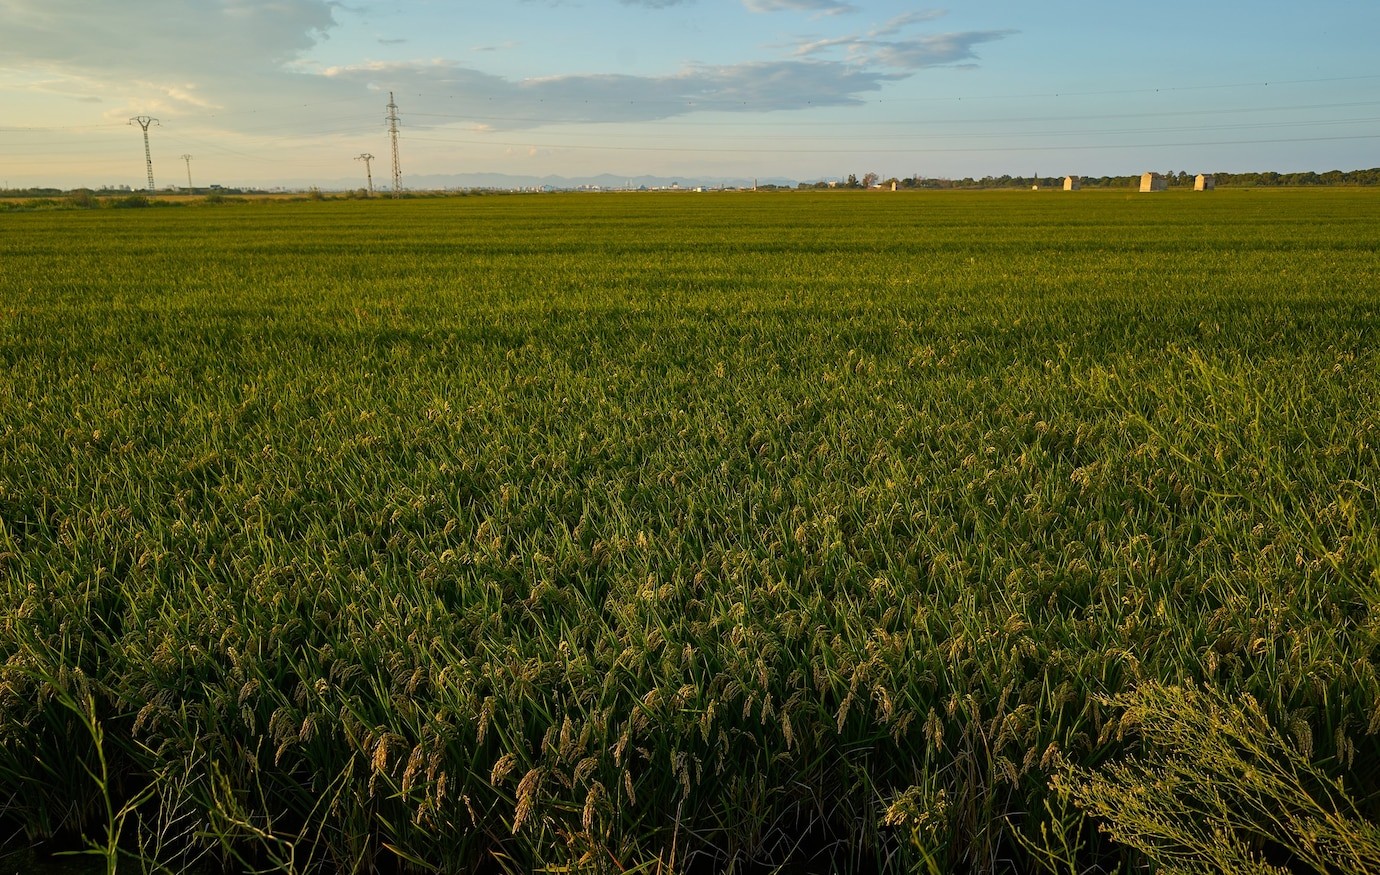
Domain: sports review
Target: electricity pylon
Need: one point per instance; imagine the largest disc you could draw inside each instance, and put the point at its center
(188, 159)
(144, 121)
(393, 133)
(368, 170)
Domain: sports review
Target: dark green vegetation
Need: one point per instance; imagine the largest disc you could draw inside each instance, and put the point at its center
(681, 532)
(1182, 179)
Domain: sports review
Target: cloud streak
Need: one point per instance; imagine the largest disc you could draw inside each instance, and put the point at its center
(164, 36)
(508, 104)
(931, 50)
(880, 46)
(822, 7)
(158, 62)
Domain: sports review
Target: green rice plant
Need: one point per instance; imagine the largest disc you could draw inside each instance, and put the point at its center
(604, 534)
(70, 691)
(1218, 789)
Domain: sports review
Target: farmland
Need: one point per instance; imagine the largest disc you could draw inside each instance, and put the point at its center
(831, 531)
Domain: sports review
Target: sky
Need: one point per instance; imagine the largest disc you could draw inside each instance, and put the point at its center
(291, 92)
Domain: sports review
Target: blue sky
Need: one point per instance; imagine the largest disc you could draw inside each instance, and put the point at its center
(269, 91)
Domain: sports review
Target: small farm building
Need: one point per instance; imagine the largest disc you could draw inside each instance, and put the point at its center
(1204, 182)
(1072, 183)
(1153, 182)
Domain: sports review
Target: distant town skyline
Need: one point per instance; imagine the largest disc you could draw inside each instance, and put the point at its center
(268, 92)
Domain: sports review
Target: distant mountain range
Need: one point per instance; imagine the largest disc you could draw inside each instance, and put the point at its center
(507, 181)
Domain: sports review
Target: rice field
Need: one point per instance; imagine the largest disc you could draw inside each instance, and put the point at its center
(836, 532)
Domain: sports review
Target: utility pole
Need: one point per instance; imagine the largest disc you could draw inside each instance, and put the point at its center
(144, 121)
(368, 171)
(188, 159)
(393, 133)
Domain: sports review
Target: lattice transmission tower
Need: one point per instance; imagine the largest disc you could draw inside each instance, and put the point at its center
(368, 170)
(393, 134)
(188, 159)
(144, 121)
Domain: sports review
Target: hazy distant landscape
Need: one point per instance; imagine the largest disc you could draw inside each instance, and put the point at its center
(610, 182)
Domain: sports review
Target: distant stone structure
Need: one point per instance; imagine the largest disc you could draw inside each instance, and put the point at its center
(1204, 182)
(1072, 183)
(1153, 182)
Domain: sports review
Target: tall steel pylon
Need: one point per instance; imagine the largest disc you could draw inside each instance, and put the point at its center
(393, 134)
(368, 170)
(188, 159)
(144, 121)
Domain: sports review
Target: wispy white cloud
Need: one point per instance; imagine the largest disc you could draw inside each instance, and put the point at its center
(157, 62)
(468, 94)
(162, 35)
(882, 45)
(931, 50)
(158, 59)
(900, 22)
(823, 7)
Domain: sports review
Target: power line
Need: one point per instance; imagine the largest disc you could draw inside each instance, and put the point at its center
(987, 135)
(742, 106)
(633, 134)
(671, 122)
(929, 135)
(897, 151)
(1147, 90)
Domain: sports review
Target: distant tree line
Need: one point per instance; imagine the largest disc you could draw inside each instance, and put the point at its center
(81, 193)
(1175, 178)
(1308, 177)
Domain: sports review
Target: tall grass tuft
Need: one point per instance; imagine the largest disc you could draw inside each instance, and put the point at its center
(1216, 788)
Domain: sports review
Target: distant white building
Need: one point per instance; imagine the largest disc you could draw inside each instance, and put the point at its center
(1153, 182)
(1204, 182)
(1072, 183)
